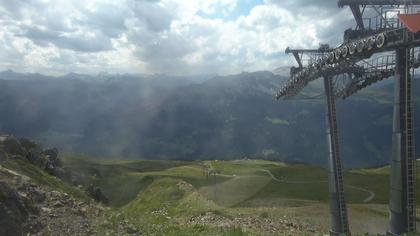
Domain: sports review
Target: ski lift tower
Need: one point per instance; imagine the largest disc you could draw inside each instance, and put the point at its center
(383, 44)
(398, 22)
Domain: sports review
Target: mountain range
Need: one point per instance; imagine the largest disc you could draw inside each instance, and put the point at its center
(195, 117)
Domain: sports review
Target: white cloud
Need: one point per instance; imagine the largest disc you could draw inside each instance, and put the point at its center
(152, 36)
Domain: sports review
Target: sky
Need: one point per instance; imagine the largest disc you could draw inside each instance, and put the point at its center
(177, 37)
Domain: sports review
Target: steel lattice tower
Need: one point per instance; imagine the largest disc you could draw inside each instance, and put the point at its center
(361, 59)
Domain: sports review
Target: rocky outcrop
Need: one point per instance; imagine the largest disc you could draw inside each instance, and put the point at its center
(54, 164)
(52, 156)
(257, 224)
(13, 211)
(47, 160)
(26, 149)
(27, 208)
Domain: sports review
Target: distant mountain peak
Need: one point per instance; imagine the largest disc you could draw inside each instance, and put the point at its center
(283, 71)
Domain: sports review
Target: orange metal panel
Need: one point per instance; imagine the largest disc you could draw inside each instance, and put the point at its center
(411, 21)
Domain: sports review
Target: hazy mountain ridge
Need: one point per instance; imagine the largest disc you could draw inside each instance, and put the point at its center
(224, 117)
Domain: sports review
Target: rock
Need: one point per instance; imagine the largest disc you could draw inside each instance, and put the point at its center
(83, 211)
(46, 210)
(52, 155)
(96, 193)
(35, 157)
(131, 229)
(46, 160)
(31, 192)
(34, 225)
(37, 196)
(13, 213)
(57, 204)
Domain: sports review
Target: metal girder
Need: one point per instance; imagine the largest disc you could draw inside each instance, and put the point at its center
(364, 80)
(298, 81)
(298, 53)
(358, 16)
(363, 73)
(402, 205)
(365, 47)
(342, 3)
(338, 209)
(322, 48)
(298, 59)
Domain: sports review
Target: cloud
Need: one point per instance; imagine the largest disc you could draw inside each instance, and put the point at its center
(154, 15)
(77, 41)
(332, 21)
(298, 5)
(108, 18)
(162, 36)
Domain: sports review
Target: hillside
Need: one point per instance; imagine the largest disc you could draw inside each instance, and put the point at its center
(189, 118)
(263, 197)
(244, 197)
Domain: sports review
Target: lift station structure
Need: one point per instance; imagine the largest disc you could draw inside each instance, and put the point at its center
(385, 43)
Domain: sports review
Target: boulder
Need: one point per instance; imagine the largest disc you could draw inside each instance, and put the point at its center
(96, 193)
(52, 155)
(34, 194)
(13, 212)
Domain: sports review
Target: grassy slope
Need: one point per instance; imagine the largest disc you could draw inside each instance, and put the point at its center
(122, 180)
(180, 190)
(118, 179)
(115, 177)
(41, 177)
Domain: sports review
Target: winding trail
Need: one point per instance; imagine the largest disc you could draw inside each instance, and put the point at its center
(371, 194)
(367, 199)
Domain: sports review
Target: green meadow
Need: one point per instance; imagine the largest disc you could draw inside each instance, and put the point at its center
(166, 195)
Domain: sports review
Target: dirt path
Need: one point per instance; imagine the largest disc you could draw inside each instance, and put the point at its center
(368, 199)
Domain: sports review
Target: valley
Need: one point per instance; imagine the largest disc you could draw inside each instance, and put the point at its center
(44, 193)
(187, 118)
(259, 197)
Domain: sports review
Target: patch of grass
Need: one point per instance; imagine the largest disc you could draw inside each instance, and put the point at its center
(167, 197)
(199, 230)
(124, 188)
(264, 215)
(234, 191)
(235, 231)
(119, 179)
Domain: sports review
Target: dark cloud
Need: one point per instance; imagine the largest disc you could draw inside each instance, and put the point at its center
(153, 15)
(108, 18)
(297, 5)
(14, 8)
(73, 42)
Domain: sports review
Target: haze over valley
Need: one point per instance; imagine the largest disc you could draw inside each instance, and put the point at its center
(192, 118)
